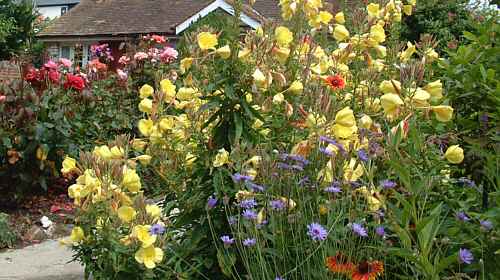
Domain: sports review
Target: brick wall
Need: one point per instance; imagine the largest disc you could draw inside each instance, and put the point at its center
(8, 71)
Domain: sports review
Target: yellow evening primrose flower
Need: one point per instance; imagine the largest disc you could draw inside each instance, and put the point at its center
(345, 117)
(259, 78)
(373, 10)
(68, 165)
(168, 90)
(340, 18)
(278, 98)
(141, 232)
(138, 145)
(443, 113)
(365, 122)
(391, 86)
(77, 235)
(186, 64)
(75, 191)
(377, 33)
(167, 123)
(146, 105)
(406, 54)
(381, 51)
(325, 17)
(145, 126)
(283, 36)
(420, 98)
(207, 41)
(296, 87)
(103, 152)
(149, 256)
(186, 93)
(340, 33)
(144, 159)
(255, 160)
(146, 91)
(153, 210)
(224, 52)
(244, 53)
(117, 152)
(221, 158)
(281, 54)
(353, 171)
(435, 89)
(288, 202)
(374, 203)
(126, 214)
(431, 55)
(391, 103)
(407, 9)
(454, 154)
(131, 180)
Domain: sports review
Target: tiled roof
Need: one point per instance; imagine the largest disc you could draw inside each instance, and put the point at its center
(121, 17)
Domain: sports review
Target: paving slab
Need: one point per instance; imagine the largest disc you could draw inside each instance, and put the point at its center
(48, 260)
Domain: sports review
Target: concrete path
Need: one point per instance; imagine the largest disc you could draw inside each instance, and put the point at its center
(45, 261)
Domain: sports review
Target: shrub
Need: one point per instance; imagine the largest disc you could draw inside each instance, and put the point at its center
(7, 237)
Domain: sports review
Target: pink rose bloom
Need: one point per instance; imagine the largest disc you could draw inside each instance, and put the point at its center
(50, 65)
(122, 74)
(140, 56)
(169, 54)
(2, 98)
(124, 60)
(65, 62)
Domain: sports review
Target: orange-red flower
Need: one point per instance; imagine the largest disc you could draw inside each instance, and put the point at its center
(335, 82)
(339, 264)
(367, 270)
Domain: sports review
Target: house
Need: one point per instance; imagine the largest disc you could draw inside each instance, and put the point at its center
(54, 8)
(116, 21)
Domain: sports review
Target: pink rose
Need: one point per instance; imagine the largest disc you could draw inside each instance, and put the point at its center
(65, 62)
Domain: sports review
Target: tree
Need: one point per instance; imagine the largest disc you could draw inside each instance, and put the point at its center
(16, 26)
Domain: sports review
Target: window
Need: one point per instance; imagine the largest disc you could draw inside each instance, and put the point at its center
(64, 10)
(66, 52)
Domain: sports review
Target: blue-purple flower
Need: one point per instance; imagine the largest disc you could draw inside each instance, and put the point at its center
(249, 214)
(462, 216)
(333, 188)
(486, 225)
(211, 202)
(359, 229)
(228, 241)
(277, 204)
(380, 231)
(232, 220)
(466, 182)
(237, 177)
(317, 232)
(387, 184)
(248, 203)
(279, 278)
(249, 242)
(465, 256)
(326, 151)
(157, 229)
(362, 155)
(255, 187)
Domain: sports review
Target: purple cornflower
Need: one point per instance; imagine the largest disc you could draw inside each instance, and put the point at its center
(254, 187)
(462, 216)
(249, 214)
(279, 278)
(486, 225)
(465, 256)
(362, 155)
(211, 202)
(282, 165)
(380, 231)
(326, 151)
(304, 181)
(228, 241)
(157, 229)
(466, 182)
(277, 204)
(317, 232)
(299, 159)
(334, 188)
(249, 242)
(297, 167)
(237, 177)
(379, 214)
(359, 229)
(248, 203)
(355, 184)
(387, 184)
(327, 140)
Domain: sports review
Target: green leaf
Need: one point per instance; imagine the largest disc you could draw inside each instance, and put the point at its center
(238, 127)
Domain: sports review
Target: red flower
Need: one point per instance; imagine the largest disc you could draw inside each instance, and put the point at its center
(158, 39)
(339, 264)
(368, 270)
(74, 82)
(34, 75)
(335, 82)
(54, 76)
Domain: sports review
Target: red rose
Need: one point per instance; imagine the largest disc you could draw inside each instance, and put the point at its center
(74, 82)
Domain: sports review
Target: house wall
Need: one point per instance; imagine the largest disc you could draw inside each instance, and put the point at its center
(8, 71)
